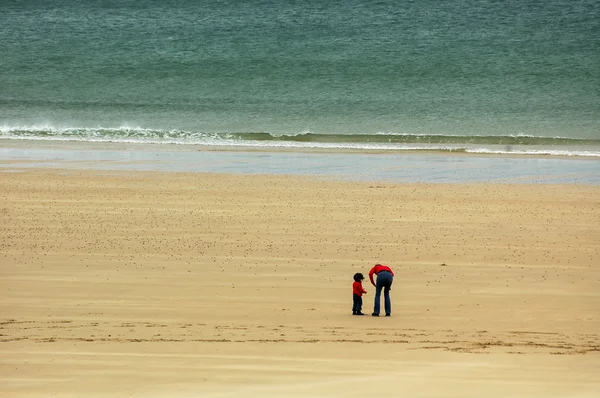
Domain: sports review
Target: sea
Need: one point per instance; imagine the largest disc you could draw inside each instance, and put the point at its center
(464, 76)
(472, 75)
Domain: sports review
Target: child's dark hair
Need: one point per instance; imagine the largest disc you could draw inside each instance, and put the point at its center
(358, 277)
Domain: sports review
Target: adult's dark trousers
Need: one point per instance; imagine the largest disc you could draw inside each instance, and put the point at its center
(384, 282)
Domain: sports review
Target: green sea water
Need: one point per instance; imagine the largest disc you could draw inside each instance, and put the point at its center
(366, 73)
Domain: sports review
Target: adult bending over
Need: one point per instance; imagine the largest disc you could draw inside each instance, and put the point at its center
(385, 278)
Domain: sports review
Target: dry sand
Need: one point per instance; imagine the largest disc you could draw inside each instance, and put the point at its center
(198, 285)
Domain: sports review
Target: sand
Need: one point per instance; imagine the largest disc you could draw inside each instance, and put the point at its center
(128, 284)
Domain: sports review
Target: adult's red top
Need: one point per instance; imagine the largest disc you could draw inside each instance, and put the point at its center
(358, 289)
(377, 269)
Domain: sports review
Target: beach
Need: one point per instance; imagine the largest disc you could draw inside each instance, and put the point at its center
(129, 283)
(188, 187)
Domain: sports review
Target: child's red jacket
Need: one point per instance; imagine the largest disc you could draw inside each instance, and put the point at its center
(358, 289)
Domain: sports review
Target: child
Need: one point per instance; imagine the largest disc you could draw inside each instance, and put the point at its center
(357, 292)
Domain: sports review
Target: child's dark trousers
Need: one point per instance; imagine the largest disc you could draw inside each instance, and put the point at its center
(356, 303)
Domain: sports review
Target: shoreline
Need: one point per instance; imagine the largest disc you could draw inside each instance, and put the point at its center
(347, 165)
(177, 147)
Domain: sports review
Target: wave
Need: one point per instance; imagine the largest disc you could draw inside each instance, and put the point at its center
(418, 139)
(514, 144)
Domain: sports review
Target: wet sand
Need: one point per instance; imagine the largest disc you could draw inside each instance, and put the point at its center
(403, 166)
(149, 284)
